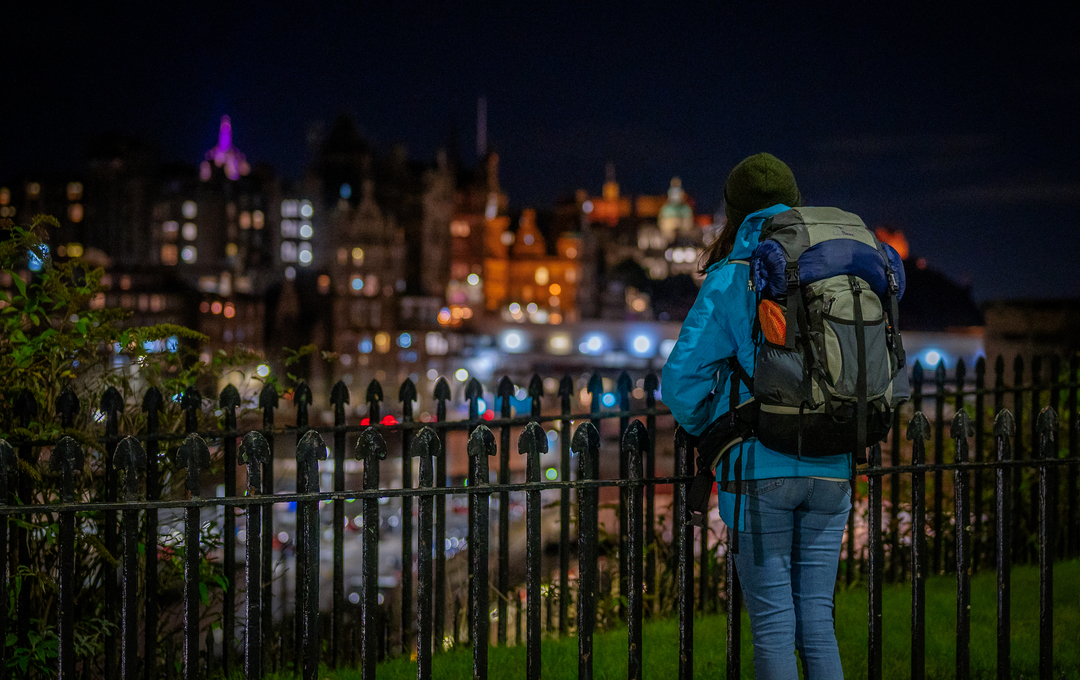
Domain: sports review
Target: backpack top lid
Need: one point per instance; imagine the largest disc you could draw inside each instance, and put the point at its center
(824, 242)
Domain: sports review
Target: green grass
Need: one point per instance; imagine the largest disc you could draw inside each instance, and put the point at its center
(660, 648)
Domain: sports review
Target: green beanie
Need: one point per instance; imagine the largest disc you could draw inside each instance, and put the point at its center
(760, 181)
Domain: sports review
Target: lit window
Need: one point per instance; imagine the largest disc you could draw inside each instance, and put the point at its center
(542, 276)
(305, 209)
(169, 254)
(357, 283)
(382, 342)
(404, 341)
(74, 191)
(215, 307)
(288, 251)
(507, 238)
(474, 280)
(170, 228)
(75, 212)
(230, 310)
(305, 230)
(290, 228)
(189, 209)
(5, 196)
(459, 228)
(74, 250)
(358, 255)
(372, 284)
(305, 255)
(257, 219)
(190, 231)
(231, 250)
(290, 208)
(188, 254)
(245, 220)
(559, 344)
(365, 346)
(555, 289)
(33, 189)
(324, 283)
(345, 191)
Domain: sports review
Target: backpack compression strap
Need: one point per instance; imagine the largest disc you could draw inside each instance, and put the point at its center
(860, 378)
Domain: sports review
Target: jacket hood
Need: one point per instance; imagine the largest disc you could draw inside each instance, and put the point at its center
(750, 231)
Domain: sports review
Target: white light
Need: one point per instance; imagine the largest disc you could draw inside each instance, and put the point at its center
(290, 273)
(560, 344)
(677, 255)
(665, 348)
(933, 357)
(305, 254)
(513, 341)
(305, 230)
(189, 254)
(461, 374)
(587, 207)
(532, 308)
(592, 345)
(305, 209)
(262, 371)
(515, 308)
(642, 344)
(432, 374)
(189, 209)
(481, 405)
(473, 279)
(190, 231)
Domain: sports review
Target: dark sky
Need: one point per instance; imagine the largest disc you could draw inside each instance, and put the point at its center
(957, 125)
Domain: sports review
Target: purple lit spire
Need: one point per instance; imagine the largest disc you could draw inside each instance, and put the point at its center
(225, 155)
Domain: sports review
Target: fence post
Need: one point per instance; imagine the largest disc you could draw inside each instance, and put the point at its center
(1017, 508)
(229, 401)
(683, 533)
(623, 385)
(980, 439)
(531, 443)
(442, 394)
(268, 401)
(309, 451)
(112, 404)
(8, 466)
(503, 390)
(939, 458)
(566, 391)
(652, 384)
(961, 430)
(481, 447)
(339, 397)
(67, 459)
(918, 432)
(255, 452)
(1004, 429)
(406, 395)
(1074, 451)
(131, 458)
(1048, 480)
(301, 398)
(1033, 474)
(586, 444)
(634, 441)
(151, 404)
(371, 448)
(425, 446)
(193, 455)
(874, 484)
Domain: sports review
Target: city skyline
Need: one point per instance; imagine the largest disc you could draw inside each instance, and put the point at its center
(954, 128)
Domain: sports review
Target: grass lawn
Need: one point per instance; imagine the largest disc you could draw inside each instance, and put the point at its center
(660, 649)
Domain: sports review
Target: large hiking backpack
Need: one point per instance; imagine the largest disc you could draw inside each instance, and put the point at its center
(829, 363)
(829, 366)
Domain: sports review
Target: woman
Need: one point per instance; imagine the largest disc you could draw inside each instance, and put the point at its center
(793, 510)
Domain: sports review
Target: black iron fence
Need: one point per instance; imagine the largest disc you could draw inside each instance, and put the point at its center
(1005, 469)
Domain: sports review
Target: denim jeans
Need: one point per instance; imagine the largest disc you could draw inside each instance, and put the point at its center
(787, 562)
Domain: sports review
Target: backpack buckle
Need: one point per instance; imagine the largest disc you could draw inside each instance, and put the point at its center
(791, 276)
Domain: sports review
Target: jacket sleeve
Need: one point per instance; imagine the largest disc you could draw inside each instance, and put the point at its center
(708, 337)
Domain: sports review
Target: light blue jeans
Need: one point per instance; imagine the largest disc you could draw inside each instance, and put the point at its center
(787, 562)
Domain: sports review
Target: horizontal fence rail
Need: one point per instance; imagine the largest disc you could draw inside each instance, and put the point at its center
(209, 563)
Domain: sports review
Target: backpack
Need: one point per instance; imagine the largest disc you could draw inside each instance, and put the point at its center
(829, 361)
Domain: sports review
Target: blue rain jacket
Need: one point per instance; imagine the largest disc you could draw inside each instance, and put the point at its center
(696, 379)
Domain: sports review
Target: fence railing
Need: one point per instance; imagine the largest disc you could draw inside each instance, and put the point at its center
(968, 523)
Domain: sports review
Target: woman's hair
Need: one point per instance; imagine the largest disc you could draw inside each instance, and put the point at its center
(720, 247)
(758, 182)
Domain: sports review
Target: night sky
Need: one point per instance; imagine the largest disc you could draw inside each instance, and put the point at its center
(960, 128)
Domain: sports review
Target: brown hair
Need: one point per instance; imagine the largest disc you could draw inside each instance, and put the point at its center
(720, 248)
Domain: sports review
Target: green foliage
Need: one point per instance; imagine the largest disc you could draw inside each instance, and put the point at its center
(56, 332)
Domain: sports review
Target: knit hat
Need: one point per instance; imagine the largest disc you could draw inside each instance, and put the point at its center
(758, 182)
